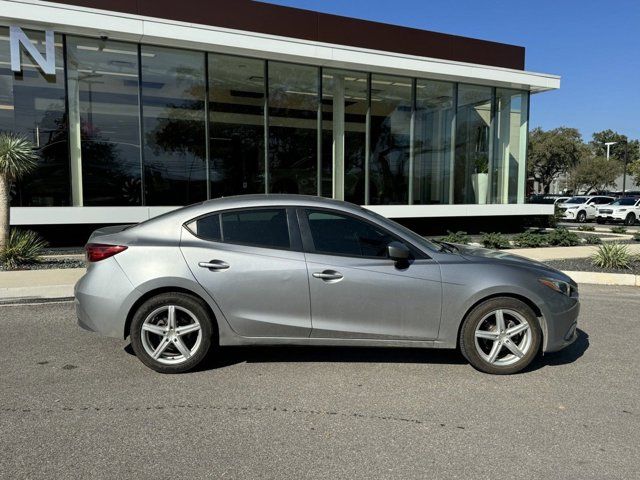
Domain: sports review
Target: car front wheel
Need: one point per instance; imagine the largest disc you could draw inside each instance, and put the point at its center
(171, 332)
(581, 217)
(630, 220)
(500, 336)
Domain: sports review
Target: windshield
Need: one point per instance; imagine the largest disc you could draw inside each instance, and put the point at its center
(406, 231)
(625, 201)
(577, 200)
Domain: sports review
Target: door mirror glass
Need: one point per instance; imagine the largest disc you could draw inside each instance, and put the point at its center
(398, 252)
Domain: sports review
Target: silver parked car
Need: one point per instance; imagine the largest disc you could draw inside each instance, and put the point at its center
(299, 270)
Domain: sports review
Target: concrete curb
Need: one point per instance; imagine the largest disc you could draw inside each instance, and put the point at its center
(601, 278)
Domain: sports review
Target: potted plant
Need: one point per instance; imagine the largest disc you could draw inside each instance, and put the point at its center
(480, 179)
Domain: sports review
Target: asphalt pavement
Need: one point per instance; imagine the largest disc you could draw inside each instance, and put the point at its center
(75, 405)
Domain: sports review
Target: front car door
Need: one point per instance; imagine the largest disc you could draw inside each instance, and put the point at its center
(250, 261)
(356, 290)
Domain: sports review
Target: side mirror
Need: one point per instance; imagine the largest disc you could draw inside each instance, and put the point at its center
(398, 252)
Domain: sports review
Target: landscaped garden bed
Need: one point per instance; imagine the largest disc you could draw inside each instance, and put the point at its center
(585, 265)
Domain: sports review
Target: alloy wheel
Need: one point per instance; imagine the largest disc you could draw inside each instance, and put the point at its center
(503, 337)
(171, 334)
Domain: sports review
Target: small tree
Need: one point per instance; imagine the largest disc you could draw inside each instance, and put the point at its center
(594, 173)
(17, 159)
(552, 153)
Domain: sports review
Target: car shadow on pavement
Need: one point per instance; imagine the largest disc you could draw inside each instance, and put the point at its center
(228, 356)
(565, 356)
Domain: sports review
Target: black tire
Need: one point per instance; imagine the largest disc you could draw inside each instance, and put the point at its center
(184, 301)
(581, 217)
(467, 339)
(630, 220)
(600, 221)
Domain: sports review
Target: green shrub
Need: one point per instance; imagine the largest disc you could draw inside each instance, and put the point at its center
(614, 256)
(592, 240)
(494, 240)
(636, 237)
(530, 240)
(456, 237)
(618, 229)
(561, 237)
(586, 228)
(24, 247)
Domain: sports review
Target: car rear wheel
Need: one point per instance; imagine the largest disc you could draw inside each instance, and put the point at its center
(581, 217)
(630, 220)
(171, 332)
(500, 336)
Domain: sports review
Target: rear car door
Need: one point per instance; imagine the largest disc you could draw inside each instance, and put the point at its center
(251, 263)
(356, 290)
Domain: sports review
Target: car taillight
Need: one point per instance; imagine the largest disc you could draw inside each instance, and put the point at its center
(98, 251)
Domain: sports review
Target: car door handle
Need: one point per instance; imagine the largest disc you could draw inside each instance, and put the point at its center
(214, 265)
(328, 275)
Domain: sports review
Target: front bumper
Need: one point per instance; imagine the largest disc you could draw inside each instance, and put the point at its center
(612, 217)
(570, 214)
(561, 329)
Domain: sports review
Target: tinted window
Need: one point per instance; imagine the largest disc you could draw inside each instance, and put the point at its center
(262, 227)
(207, 228)
(344, 235)
(625, 201)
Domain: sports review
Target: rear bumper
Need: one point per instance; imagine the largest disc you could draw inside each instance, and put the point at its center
(561, 329)
(100, 296)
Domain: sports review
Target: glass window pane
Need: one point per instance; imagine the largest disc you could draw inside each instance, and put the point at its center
(344, 132)
(507, 176)
(432, 144)
(103, 82)
(390, 139)
(337, 234)
(236, 110)
(173, 95)
(32, 104)
(207, 227)
(473, 122)
(293, 128)
(261, 227)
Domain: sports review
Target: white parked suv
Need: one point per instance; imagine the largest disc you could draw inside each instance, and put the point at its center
(625, 210)
(583, 207)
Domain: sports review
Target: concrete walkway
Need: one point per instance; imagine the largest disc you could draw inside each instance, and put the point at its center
(24, 285)
(560, 253)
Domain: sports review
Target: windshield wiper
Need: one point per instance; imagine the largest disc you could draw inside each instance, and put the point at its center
(445, 246)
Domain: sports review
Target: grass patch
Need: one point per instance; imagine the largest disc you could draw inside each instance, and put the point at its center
(618, 229)
(586, 228)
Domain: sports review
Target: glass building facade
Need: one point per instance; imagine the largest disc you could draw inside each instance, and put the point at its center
(124, 124)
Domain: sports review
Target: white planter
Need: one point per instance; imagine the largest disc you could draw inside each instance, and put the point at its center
(480, 183)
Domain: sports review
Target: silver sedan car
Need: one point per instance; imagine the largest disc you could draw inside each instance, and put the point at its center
(299, 270)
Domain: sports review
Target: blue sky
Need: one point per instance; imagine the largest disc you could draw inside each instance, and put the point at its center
(593, 44)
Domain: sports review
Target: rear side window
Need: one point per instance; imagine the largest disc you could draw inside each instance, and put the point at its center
(260, 227)
(338, 234)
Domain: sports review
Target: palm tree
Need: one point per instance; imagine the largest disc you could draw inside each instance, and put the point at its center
(17, 158)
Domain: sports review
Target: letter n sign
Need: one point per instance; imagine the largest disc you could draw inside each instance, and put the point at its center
(47, 63)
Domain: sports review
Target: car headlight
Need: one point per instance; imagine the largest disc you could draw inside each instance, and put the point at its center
(557, 285)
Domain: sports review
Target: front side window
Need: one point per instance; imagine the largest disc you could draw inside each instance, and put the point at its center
(337, 234)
